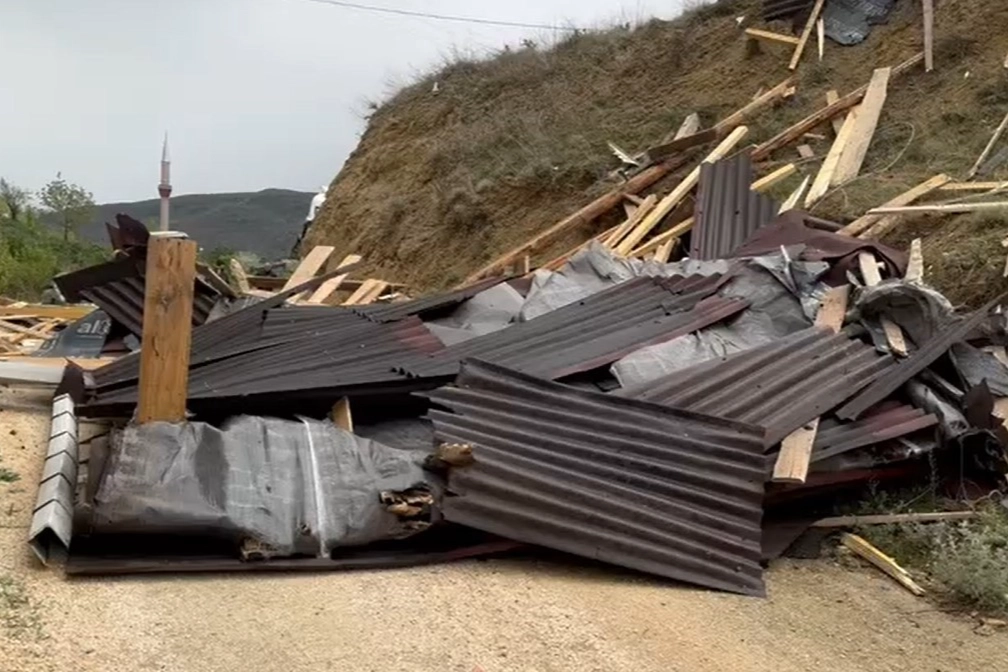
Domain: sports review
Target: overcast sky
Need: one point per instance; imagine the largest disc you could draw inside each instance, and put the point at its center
(252, 93)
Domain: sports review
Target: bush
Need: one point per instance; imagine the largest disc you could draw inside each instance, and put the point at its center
(31, 254)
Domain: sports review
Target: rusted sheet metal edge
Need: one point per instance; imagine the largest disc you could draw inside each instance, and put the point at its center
(728, 211)
(661, 490)
(870, 431)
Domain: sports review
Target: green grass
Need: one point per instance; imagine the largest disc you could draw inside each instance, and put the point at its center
(19, 614)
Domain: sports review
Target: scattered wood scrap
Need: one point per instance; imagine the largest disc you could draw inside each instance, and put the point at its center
(663, 237)
(946, 208)
(792, 201)
(990, 146)
(821, 36)
(773, 178)
(735, 119)
(974, 186)
(831, 97)
(368, 292)
(863, 223)
(646, 206)
(308, 268)
(689, 126)
(769, 36)
(825, 175)
(876, 557)
(325, 290)
(805, 152)
(806, 32)
(68, 313)
(915, 267)
(894, 519)
(868, 113)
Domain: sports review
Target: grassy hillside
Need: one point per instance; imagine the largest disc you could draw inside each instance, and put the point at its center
(444, 181)
(265, 222)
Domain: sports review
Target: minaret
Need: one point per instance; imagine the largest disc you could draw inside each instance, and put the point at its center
(164, 188)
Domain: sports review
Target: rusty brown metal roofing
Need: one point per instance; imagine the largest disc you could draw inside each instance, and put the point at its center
(728, 211)
(919, 360)
(117, 287)
(835, 438)
(594, 331)
(660, 490)
(779, 386)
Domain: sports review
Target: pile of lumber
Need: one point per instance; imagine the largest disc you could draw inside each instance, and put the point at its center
(24, 326)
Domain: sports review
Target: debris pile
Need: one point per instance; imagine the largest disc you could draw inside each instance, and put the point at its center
(683, 394)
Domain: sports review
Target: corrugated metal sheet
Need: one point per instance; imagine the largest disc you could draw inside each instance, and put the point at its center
(728, 211)
(52, 519)
(427, 306)
(117, 287)
(352, 357)
(835, 438)
(656, 489)
(919, 360)
(779, 386)
(595, 331)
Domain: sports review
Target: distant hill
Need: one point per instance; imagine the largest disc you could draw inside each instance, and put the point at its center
(265, 222)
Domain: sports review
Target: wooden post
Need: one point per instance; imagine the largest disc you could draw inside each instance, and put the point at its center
(167, 329)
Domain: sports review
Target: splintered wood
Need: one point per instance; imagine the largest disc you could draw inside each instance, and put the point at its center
(864, 223)
(796, 449)
(868, 113)
(876, 557)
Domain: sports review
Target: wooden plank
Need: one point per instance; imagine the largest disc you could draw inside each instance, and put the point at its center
(770, 36)
(584, 216)
(662, 238)
(974, 186)
(309, 266)
(362, 292)
(864, 129)
(792, 133)
(915, 267)
(68, 313)
(806, 32)
(821, 36)
(833, 309)
(666, 205)
(663, 253)
(680, 144)
(642, 210)
(773, 178)
(943, 208)
(990, 145)
(831, 97)
(167, 329)
(876, 557)
(928, 35)
(869, 269)
(326, 289)
(909, 196)
(805, 152)
(729, 123)
(341, 415)
(239, 275)
(894, 519)
(796, 195)
(825, 175)
(796, 450)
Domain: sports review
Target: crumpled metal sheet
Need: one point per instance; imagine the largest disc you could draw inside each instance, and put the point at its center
(849, 22)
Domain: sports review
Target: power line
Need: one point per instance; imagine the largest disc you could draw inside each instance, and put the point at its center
(440, 17)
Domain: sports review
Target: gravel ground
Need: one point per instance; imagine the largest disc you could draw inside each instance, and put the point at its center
(495, 615)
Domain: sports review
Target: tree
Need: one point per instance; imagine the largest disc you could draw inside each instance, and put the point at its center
(14, 197)
(72, 203)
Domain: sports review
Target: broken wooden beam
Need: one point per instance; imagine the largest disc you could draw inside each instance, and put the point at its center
(864, 129)
(792, 133)
(876, 557)
(169, 280)
(894, 519)
(862, 223)
(806, 32)
(824, 177)
(946, 208)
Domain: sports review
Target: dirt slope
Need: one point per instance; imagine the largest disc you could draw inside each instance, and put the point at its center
(494, 615)
(443, 181)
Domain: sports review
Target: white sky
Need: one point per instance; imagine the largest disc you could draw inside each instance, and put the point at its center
(253, 93)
